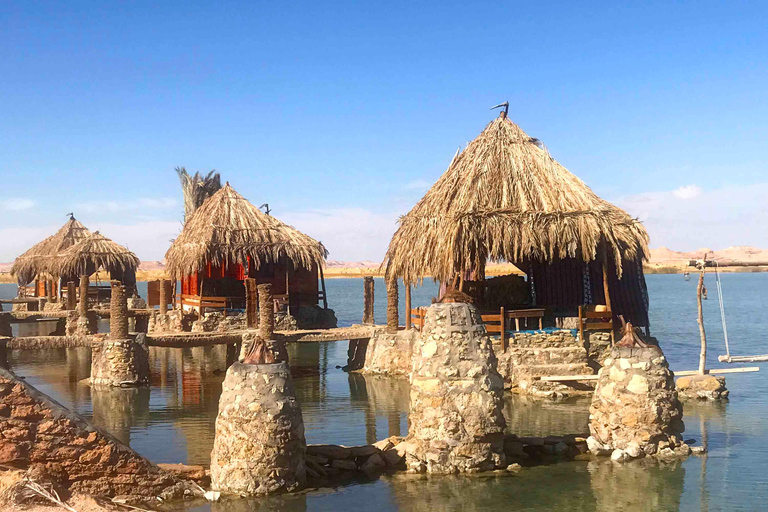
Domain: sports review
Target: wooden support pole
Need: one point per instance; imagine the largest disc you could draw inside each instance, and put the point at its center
(368, 299)
(393, 320)
(606, 288)
(251, 304)
(118, 312)
(49, 289)
(699, 292)
(504, 342)
(71, 296)
(163, 298)
(407, 307)
(82, 306)
(266, 312)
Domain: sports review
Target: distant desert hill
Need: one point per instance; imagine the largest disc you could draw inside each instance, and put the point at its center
(745, 253)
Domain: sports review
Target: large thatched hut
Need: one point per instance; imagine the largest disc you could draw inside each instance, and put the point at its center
(39, 263)
(504, 198)
(228, 239)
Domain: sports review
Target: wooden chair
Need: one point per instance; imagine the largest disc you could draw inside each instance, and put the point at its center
(497, 323)
(281, 303)
(595, 317)
(418, 317)
(525, 314)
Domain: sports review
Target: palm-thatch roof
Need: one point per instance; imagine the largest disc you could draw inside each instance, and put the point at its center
(93, 253)
(227, 229)
(196, 189)
(504, 198)
(41, 258)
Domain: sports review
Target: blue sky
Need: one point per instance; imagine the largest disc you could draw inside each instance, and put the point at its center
(341, 114)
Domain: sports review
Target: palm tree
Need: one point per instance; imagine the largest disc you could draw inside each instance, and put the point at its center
(197, 189)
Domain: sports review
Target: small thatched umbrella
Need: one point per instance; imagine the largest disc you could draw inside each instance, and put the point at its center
(97, 252)
(504, 198)
(41, 258)
(227, 230)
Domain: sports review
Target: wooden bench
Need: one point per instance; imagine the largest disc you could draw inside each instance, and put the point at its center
(201, 302)
(497, 323)
(525, 314)
(595, 317)
(418, 317)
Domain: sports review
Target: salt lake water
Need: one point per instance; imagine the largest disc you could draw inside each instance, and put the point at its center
(173, 420)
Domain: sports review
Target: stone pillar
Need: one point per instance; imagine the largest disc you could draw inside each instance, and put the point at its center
(118, 312)
(71, 296)
(276, 347)
(368, 301)
(635, 410)
(120, 362)
(393, 319)
(163, 298)
(456, 419)
(266, 312)
(259, 447)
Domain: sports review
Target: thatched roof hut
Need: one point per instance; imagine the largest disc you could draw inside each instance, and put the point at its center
(97, 252)
(41, 258)
(504, 198)
(228, 230)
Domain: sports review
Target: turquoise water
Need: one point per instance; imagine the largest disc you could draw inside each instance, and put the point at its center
(173, 420)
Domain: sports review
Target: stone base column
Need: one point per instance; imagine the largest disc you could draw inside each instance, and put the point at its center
(635, 410)
(120, 363)
(259, 446)
(457, 424)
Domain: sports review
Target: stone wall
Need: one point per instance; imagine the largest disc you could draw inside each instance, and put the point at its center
(390, 353)
(456, 418)
(259, 446)
(120, 362)
(533, 354)
(173, 321)
(58, 446)
(635, 410)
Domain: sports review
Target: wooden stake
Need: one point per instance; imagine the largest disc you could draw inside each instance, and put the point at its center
(407, 307)
(368, 300)
(700, 319)
(163, 298)
(71, 296)
(606, 288)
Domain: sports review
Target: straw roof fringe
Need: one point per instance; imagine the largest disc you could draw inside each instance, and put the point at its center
(504, 198)
(196, 189)
(41, 258)
(93, 253)
(227, 229)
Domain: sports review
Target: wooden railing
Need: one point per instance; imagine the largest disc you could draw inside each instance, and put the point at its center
(595, 317)
(497, 323)
(418, 316)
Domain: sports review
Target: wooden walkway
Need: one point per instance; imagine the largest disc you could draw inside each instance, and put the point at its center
(191, 339)
(32, 316)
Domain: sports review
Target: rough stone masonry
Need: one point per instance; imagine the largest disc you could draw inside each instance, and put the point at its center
(635, 410)
(259, 447)
(457, 424)
(55, 445)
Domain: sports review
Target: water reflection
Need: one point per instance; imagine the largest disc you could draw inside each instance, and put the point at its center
(118, 410)
(642, 485)
(528, 416)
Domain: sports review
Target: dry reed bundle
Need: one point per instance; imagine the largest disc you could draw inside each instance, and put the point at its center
(227, 229)
(41, 258)
(94, 253)
(504, 198)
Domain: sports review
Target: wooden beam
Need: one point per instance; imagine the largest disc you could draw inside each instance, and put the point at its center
(681, 373)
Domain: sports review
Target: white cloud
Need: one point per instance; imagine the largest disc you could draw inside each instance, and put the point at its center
(718, 218)
(17, 204)
(687, 192)
(349, 234)
(139, 204)
(420, 185)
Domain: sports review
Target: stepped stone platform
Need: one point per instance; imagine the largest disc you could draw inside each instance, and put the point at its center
(534, 354)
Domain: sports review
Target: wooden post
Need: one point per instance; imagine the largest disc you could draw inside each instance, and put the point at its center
(83, 304)
(699, 292)
(49, 289)
(393, 320)
(368, 299)
(407, 307)
(322, 283)
(163, 298)
(266, 312)
(606, 288)
(251, 305)
(504, 343)
(118, 312)
(71, 296)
